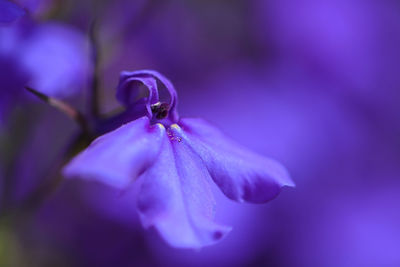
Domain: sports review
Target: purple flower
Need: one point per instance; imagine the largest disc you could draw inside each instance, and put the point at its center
(50, 52)
(41, 55)
(175, 160)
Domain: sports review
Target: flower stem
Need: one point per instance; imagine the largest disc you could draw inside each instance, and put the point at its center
(65, 108)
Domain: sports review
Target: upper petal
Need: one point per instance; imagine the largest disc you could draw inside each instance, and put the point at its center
(175, 197)
(241, 174)
(153, 79)
(120, 156)
(129, 93)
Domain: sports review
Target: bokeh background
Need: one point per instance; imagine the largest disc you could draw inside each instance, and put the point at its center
(313, 84)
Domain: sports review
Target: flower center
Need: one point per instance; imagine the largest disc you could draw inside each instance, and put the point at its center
(160, 110)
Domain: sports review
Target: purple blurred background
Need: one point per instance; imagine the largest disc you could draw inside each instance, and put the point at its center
(313, 84)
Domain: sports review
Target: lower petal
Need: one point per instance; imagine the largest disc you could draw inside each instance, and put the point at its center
(241, 174)
(120, 156)
(176, 198)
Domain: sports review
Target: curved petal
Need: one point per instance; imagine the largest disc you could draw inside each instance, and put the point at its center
(130, 96)
(118, 157)
(176, 199)
(9, 12)
(241, 174)
(125, 75)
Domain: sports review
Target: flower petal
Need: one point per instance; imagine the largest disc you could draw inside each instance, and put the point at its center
(241, 174)
(126, 99)
(129, 93)
(175, 197)
(120, 156)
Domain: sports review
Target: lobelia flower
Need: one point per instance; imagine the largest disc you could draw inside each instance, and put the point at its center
(40, 55)
(48, 52)
(175, 160)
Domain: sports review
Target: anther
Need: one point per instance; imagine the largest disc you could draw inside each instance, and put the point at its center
(160, 110)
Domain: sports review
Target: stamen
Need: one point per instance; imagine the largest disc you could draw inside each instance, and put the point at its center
(160, 110)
